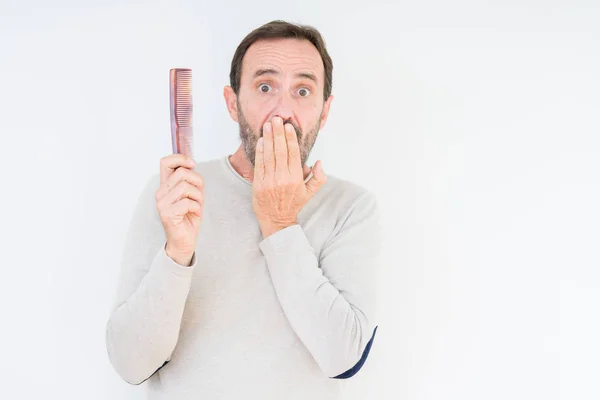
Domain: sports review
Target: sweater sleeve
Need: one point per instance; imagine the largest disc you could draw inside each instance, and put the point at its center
(143, 326)
(330, 299)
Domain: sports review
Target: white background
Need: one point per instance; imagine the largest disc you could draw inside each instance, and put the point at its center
(476, 123)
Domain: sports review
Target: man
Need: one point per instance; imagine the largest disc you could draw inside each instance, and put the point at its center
(252, 275)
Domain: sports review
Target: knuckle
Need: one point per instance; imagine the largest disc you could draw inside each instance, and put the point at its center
(186, 186)
(160, 208)
(161, 192)
(180, 192)
(176, 175)
(164, 161)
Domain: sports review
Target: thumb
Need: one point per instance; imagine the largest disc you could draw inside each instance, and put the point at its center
(318, 178)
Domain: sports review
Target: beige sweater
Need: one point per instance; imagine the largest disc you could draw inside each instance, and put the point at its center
(284, 317)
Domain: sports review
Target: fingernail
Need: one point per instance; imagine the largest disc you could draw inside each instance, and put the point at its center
(260, 143)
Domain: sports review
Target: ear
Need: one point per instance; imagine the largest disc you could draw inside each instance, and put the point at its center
(231, 102)
(325, 112)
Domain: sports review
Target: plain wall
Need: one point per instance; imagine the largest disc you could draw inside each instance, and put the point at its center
(476, 124)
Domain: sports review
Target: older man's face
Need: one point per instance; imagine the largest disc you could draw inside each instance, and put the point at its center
(285, 78)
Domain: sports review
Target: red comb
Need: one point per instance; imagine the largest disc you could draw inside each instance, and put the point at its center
(180, 82)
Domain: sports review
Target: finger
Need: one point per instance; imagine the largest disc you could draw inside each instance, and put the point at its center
(181, 191)
(280, 149)
(259, 164)
(185, 175)
(170, 163)
(181, 174)
(268, 156)
(185, 206)
(318, 179)
(294, 159)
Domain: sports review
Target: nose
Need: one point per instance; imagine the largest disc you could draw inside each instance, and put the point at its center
(284, 109)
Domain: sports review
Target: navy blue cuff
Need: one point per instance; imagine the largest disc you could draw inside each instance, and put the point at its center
(352, 371)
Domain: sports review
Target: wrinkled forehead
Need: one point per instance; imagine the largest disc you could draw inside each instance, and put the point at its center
(287, 56)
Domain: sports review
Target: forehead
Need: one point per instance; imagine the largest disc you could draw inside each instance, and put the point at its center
(285, 55)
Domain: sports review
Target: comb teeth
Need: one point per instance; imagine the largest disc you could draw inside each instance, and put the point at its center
(180, 81)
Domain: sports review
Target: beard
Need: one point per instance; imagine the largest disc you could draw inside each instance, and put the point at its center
(249, 138)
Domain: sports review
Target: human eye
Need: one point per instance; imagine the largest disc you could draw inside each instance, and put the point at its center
(264, 87)
(304, 92)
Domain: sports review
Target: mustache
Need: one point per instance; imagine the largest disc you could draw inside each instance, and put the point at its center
(298, 131)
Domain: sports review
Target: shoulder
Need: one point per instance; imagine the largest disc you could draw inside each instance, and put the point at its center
(347, 192)
(341, 198)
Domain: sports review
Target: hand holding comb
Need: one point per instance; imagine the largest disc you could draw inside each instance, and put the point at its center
(180, 83)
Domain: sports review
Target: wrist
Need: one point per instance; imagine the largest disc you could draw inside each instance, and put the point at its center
(183, 258)
(269, 229)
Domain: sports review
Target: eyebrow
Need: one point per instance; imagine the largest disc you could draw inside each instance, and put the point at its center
(270, 71)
